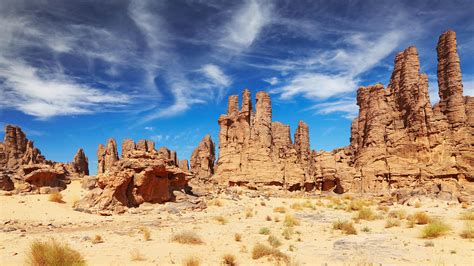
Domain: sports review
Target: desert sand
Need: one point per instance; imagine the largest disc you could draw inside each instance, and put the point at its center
(313, 242)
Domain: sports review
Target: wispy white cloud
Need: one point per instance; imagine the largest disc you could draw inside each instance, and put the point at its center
(272, 80)
(347, 107)
(246, 24)
(216, 75)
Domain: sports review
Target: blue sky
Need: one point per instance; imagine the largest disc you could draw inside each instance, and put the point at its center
(74, 73)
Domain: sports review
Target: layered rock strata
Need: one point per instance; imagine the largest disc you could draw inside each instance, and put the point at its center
(203, 158)
(142, 174)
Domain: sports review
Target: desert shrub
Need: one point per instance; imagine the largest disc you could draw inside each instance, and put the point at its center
(264, 231)
(366, 229)
(229, 260)
(383, 208)
(187, 237)
(297, 206)
(237, 237)
(56, 197)
(434, 229)
(290, 221)
(467, 216)
(345, 226)
(365, 214)
(392, 222)
(136, 255)
(261, 250)
(429, 244)
(400, 214)
(52, 252)
(309, 205)
(274, 241)
(97, 239)
(464, 205)
(248, 213)
(357, 204)
(421, 218)
(279, 209)
(468, 231)
(220, 219)
(191, 261)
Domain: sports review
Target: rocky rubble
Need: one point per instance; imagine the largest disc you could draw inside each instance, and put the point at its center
(142, 174)
(23, 166)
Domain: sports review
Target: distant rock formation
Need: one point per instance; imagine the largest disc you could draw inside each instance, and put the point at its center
(142, 174)
(23, 164)
(398, 140)
(203, 157)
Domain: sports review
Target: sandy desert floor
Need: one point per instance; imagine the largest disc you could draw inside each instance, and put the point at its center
(310, 240)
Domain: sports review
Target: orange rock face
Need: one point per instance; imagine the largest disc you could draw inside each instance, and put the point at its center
(21, 162)
(400, 141)
(142, 174)
(203, 157)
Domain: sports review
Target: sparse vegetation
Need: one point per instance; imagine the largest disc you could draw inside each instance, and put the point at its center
(345, 226)
(52, 252)
(287, 233)
(248, 213)
(392, 222)
(464, 205)
(366, 229)
(215, 202)
(467, 216)
(229, 260)
(297, 206)
(365, 214)
(279, 209)
(468, 231)
(290, 221)
(357, 204)
(220, 219)
(418, 204)
(429, 244)
(56, 197)
(97, 239)
(274, 241)
(135, 255)
(261, 250)
(146, 233)
(400, 214)
(187, 237)
(383, 208)
(191, 261)
(264, 231)
(435, 229)
(421, 218)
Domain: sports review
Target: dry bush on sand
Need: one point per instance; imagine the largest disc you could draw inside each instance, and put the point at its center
(261, 250)
(345, 226)
(53, 252)
(56, 197)
(187, 237)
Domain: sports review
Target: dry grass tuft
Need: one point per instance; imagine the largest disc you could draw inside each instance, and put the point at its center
(357, 204)
(237, 237)
(261, 250)
(464, 205)
(287, 233)
(345, 226)
(274, 241)
(366, 229)
(392, 222)
(229, 260)
(220, 219)
(279, 209)
(191, 261)
(365, 214)
(146, 233)
(400, 214)
(383, 208)
(264, 231)
(435, 229)
(248, 213)
(468, 231)
(467, 216)
(52, 252)
(56, 197)
(97, 239)
(291, 221)
(421, 218)
(135, 255)
(297, 206)
(187, 237)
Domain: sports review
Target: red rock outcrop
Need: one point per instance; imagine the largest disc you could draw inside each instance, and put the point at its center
(21, 162)
(142, 174)
(203, 157)
(400, 141)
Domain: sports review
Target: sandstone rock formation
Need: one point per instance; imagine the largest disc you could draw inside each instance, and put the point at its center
(398, 141)
(203, 157)
(142, 174)
(23, 164)
(255, 151)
